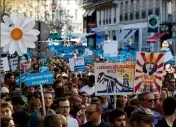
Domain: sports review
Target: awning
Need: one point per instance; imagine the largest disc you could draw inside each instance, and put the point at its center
(129, 35)
(155, 37)
(91, 12)
(86, 13)
(122, 35)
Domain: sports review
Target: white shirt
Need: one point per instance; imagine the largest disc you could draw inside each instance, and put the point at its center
(89, 90)
(72, 122)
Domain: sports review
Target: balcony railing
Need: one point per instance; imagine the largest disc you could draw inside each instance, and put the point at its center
(93, 1)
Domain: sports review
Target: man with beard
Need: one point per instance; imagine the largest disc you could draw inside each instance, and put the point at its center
(75, 105)
(90, 88)
(118, 118)
(38, 115)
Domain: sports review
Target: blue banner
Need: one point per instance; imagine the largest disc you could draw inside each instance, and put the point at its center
(35, 79)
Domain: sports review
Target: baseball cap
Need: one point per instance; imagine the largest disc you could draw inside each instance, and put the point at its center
(142, 114)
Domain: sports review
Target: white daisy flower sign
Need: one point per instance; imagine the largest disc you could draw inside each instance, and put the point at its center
(17, 34)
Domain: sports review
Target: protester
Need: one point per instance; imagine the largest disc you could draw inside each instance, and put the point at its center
(64, 109)
(9, 80)
(55, 120)
(118, 118)
(105, 104)
(17, 103)
(169, 108)
(20, 118)
(90, 88)
(122, 101)
(34, 105)
(94, 116)
(38, 115)
(148, 100)
(6, 109)
(7, 122)
(142, 117)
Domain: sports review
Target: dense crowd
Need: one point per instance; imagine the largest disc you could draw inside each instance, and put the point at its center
(71, 102)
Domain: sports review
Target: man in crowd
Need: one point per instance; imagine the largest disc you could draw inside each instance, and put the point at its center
(94, 116)
(148, 100)
(90, 88)
(118, 118)
(38, 115)
(9, 80)
(64, 109)
(169, 108)
(142, 117)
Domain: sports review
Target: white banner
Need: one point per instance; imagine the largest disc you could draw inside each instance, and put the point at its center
(114, 78)
(110, 48)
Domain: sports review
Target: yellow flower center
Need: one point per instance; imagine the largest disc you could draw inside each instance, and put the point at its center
(16, 34)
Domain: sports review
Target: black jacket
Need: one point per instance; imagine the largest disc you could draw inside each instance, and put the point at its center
(102, 124)
(163, 123)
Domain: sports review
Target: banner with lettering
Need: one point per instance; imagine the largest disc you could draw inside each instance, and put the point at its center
(34, 79)
(148, 72)
(114, 78)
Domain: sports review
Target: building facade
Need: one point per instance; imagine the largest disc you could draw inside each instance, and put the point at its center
(127, 20)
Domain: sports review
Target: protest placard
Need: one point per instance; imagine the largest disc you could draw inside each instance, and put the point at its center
(114, 78)
(148, 72)
(110, 48)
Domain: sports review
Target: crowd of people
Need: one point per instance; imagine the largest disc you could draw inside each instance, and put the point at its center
(71, 102)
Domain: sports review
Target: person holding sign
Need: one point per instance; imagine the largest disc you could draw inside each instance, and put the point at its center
(38, 115)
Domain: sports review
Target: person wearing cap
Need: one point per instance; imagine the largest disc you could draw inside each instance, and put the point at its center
(169, 108)
(142, 117)
(147, 100)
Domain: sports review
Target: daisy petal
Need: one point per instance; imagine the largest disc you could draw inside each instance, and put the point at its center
(33, 32)
(12, 47)
(22, 46)
(19, 51)
(30, 37)
(13, 17)
(7, 20)
(20, 20)
(5, 40)
(26, 21)
(28, 43)
(28, 26)
(6, 48)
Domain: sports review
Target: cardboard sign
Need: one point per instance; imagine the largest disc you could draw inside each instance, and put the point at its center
(77, 64)
(4, 64)
(114, 78)
(148, 72)
(110, 48)
(34, 79)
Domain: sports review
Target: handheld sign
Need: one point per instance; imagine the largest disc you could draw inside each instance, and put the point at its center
(39, 78)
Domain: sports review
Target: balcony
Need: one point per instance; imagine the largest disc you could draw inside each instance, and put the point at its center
(85, 2)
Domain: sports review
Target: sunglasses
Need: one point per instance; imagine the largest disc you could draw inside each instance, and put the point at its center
(89, 113)
(152, 100)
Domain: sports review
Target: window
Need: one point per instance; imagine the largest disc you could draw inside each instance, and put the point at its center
(157, 11)
(121, 8)
(131, 16)
(109, 16)
(137, 5)
(126, 7)
(106, 16)
(68, 2)
(121, 17)
(100, 17)
(150, 11)
(114, 14)
(126, 17)
(75, 14)
(144, 14)
(137, 15)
